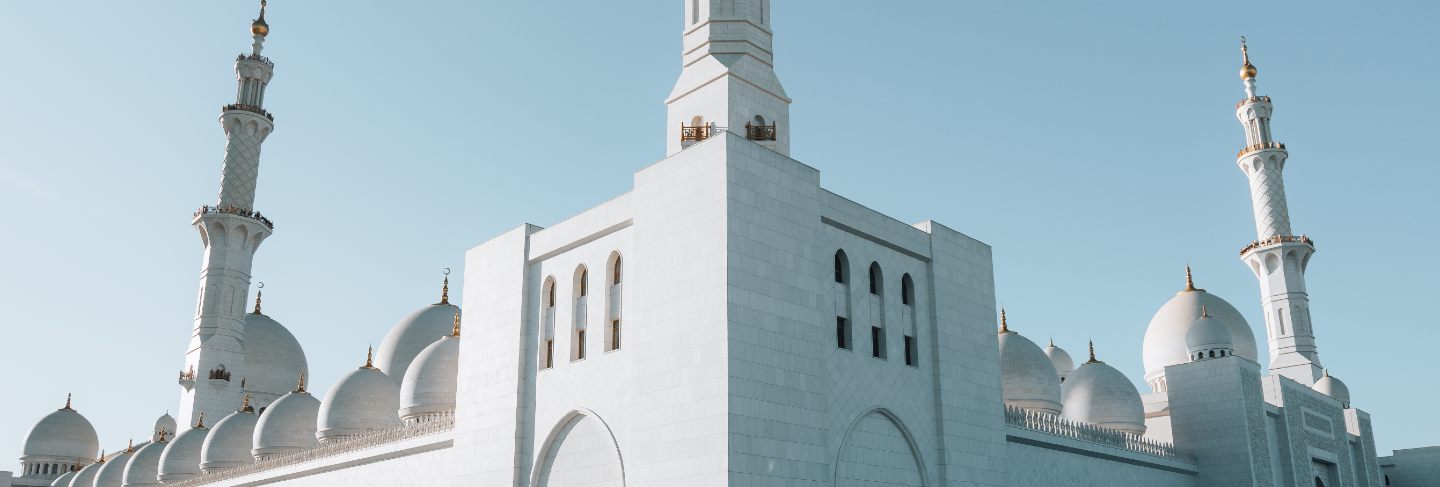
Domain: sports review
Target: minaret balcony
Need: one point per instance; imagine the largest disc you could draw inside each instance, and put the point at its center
(760, 132)
(187, 379)
(248, 108)
(231, 210)
(696, 133)
(1259, 147)
(1278, 240)
(1253, 99)
(254, 57)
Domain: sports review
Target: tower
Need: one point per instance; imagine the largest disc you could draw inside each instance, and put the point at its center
(1277, 257)
(728, 82)
(231, 232)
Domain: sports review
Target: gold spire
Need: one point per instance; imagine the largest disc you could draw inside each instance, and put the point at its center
(1092, 353)
(1004, 327)
(67, 402)
(445, 289)
(245, 404)
(160, 435)
(259, 291)
(455, 332)
(200, 423)
(1248, 70)
(1190, 281)
(370, 357)
(1052, 342)
(300, 388)
(259, 27)
(102, 457)
(130, 448)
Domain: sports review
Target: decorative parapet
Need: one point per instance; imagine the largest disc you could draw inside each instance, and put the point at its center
(1278, 239)
(441, 423)
(234, 210)
(1261, 146)
(248, 108)
(254, 57)
(1055, 425)
(1253, 99)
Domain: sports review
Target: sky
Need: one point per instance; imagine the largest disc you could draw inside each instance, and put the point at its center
(1090, 143)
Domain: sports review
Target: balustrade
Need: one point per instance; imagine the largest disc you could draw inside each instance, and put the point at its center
(1058, 426)
(234, 210)
(1278, 239)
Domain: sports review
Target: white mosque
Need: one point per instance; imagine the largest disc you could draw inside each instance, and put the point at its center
(728, 321)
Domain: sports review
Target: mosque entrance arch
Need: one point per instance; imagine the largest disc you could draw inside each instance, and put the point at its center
(879, 452)
(580, 452)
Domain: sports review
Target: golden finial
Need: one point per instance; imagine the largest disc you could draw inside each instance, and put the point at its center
(1092, 353)
(102, 457)
(67, 402)
(259, 291)
(1248, 70)
(1190, 281)
(160, 435)
(200, 423)
(130, 447)
(1204, 313)
(455, 332)
(1052, 342)
(300, 388)
(369, 357)
(245, 404)
(259, 27)
(445, 288)
(1004, 327)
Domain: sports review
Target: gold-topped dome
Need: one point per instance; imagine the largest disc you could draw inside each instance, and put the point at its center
(1248, 70)
(259, 27)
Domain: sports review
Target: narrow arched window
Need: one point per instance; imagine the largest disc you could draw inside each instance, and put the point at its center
(580, 321)
(907, 319)
(877, 312)
(907, 290)
(841, 296)
(875, 282)
(547, 325)
(613, 304)
(842, 268)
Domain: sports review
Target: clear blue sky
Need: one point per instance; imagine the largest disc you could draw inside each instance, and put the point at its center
(1091, 145)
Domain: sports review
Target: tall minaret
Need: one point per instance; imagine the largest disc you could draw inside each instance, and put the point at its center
(231, 232)
(1278, 258)
(728, 80)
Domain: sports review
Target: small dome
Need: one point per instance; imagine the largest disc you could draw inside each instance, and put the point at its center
(181, 459)
(64, 433)
(230, 441)
(86, 476)
(167, 424)
(1208, 334)
(273, 358)
(287, 425)
(145, 465)
(1064, 365)
(64, 479)
(1165, 343)
(112, 473)
(366, 400)
(1098, 394)
(413, 334)
(1028, 377)
(430, 383)
(1332, 387)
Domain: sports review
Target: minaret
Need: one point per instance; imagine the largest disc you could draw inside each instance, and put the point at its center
(231, 231)
(727, 80)
(1277, 257)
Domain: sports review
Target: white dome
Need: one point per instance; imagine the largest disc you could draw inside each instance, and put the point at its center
(64, 433)
(1028, 377)
(229, 443)
(411, 335)
(1064, 365)
(112, 474)
(145, 465)
(365, 400)
(1333, 387)
(1165, 337)
(167, 424)
(1208, 334)
(430, 383)
(287, 425)
(181, 459)
(273, 359)
(63, 480)
(86, 476)
(1098, 394)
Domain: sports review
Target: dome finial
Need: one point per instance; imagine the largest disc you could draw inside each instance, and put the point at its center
(1004, 327)
(1325, 371)
(259, 27)
(455, 332)
(200, 423)
(445, 288)
(259, 291)
(370, 357)
(1092, 353)
(1052, 341)
(300, 388)
(130, 447)
(102, 457)
(1247, 71)
(160, 435)
(67, 402)
(1204, 312)
(245, 404)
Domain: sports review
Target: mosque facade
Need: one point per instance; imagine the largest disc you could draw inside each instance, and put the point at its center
(729, 321)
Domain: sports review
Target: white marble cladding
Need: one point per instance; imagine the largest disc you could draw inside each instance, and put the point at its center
(1414, 467)
(1310, 436)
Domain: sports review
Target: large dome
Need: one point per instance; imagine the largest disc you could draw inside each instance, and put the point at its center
(1165, 337)
(1064, 365)
(230, 441)
(86, 476)
(145, 465)
(1027, 376)
(430, 383)
(112, 474)
(365, 400)
(273, 358)
(1098, 394)
(181, 459)
(413, 334)
(287, 425)
(64, 433)
(64, 479)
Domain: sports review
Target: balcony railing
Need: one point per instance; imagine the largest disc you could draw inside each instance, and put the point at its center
(1278, 239)
(254, 57)
(695, 133)
(248, 108)
(220, 374)
(441, 423)
(760, 132)
(1055, 425)
(1260, 146)
(1252, 99)
(234, 210)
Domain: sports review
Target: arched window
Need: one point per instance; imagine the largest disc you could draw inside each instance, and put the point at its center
(841, 295)
(613, 304)
(907, 290)
(877, 312)
(907, 319)
(581, 321)
(875, 278)
(547, 324)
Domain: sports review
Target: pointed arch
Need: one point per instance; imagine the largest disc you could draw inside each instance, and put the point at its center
(547, 323)
(841, 294)
(878, 435)
(580, 450)
(615, 290)
(580, 304)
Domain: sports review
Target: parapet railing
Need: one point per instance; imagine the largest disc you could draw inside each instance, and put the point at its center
(696, 133)
(441, 423)
(235, 210)
(1252, 99)
(254, 57)
(1276, 240)
(1058, 426)
(1263, 145)
(249, 108)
